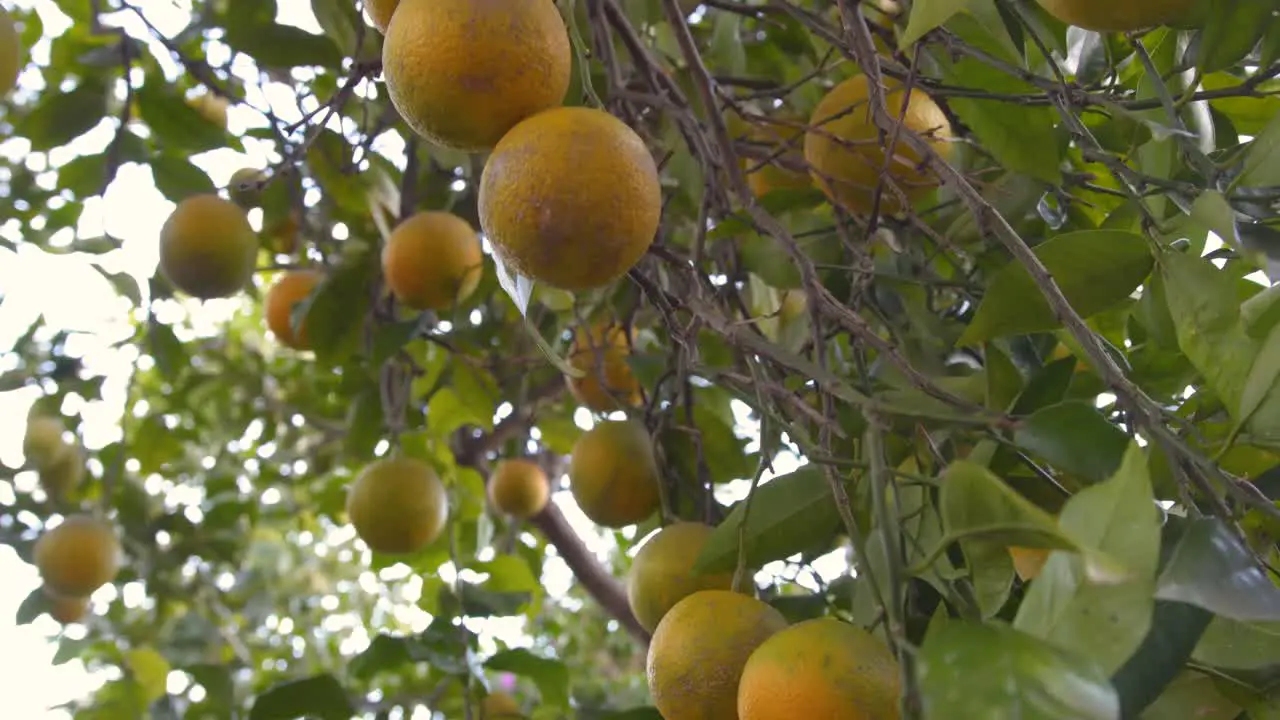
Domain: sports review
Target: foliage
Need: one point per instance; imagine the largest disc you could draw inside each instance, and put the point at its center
(1071, 344)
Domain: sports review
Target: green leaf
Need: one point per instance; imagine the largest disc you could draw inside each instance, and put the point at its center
(123, 283)
(558, 432)
(726, 50)
(1211, 569)
(1262, 163)
(1074, 437)
(384, 653)
(1175, 629)
(1192, 696)
(320, 696)
(62, 117)
(551, 676)
(1105, 622)
(84, 175)
(1213, 211)
(976, 503)
(282, 46)
(1095, 269)
(390, 338)
(1232, 30)
(30, 607)
(789, 514)
(971, 670)
(507, 573)
(1259, 385)
(928, 15)
(176, 178)
(335, 311)
(174, 123)
(1232, 644)
(764, 257)
(1261, 312)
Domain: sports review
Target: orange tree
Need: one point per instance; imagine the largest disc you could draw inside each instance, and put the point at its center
(1001, 284)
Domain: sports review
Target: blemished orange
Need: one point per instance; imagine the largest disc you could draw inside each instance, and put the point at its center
(602, 353)
(78, 556)
(613, 474)
(500, 706)
(432, 260)
(380, 12)
(662, 572)
(462, 73)
(570, 197)
(519, 488)
(699, 649)
(207, 247)
(292, 288)
(821, 668)
(398, 505)
(1113, 16)
(846, 155)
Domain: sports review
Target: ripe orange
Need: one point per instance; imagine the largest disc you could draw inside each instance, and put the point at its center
(432, 260)
(463, 73)
(380, 12)
(774, 174)
(846, 154)
(603, 353)
(207, 248)
(66, 610)
(613, 474)
(1028, 562)
(292, 288)
(397, 505)
(698, 652)
(570, 197)
(500, 706)
(519, 488)
(821, 668)
(1112, 16)
(662, 572)
(43, 444)
(78, 556)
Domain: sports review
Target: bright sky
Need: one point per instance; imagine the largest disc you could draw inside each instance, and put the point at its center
(34, 282)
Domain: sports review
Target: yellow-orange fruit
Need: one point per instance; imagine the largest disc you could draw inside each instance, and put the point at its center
(463, 73)
(613, 474)
(570, 197)
(783, 145)
(698, 652)
(11, 53)
(846, 155)
(397, 505)
(64, 609)
(821, 668)
(380, 12)
(602, 353)
(43, 444)
(1113, 16)
(432, 260)
(64, 473)
(78, 556)
(292, 288)
(1028, 562)
(243, 187)
(207, 247)
(519, 488)
(662, 573)
(212, 107)
(500, 706)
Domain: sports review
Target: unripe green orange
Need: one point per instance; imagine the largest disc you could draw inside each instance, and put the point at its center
(207, 247)
(397, 505)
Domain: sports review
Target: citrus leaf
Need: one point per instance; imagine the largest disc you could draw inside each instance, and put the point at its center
(551, 676)
(1262, 163)
(335, 311)
(1175, 629)
(789, 514)
(321, 696)
(1095, 269)
(173, 122)
(1232, 30)
(1260, 384)
(1074, 437)
(972, 670)
(928, 15)
(61, 117)
(1232, 644)
(176, 178)
(1119, 516)
(283, 46)
(1209, 568)
(976, 503)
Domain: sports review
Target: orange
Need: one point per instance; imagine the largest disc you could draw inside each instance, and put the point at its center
(432, 261)
(570, 198)
(821, 668)
(662, 572)
(1113, 16)
(78, 556)
(43, 444)
(781, 143)
(500, 706)
(245, 187)
(66, 610)
(613, 474)
(602, 353)
(519, 488)
(463, 73)
(292, 288)
(698, 652)
(380, 12)
(846, 154)
(1028, 562)
(207, 248)
(397, 505)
